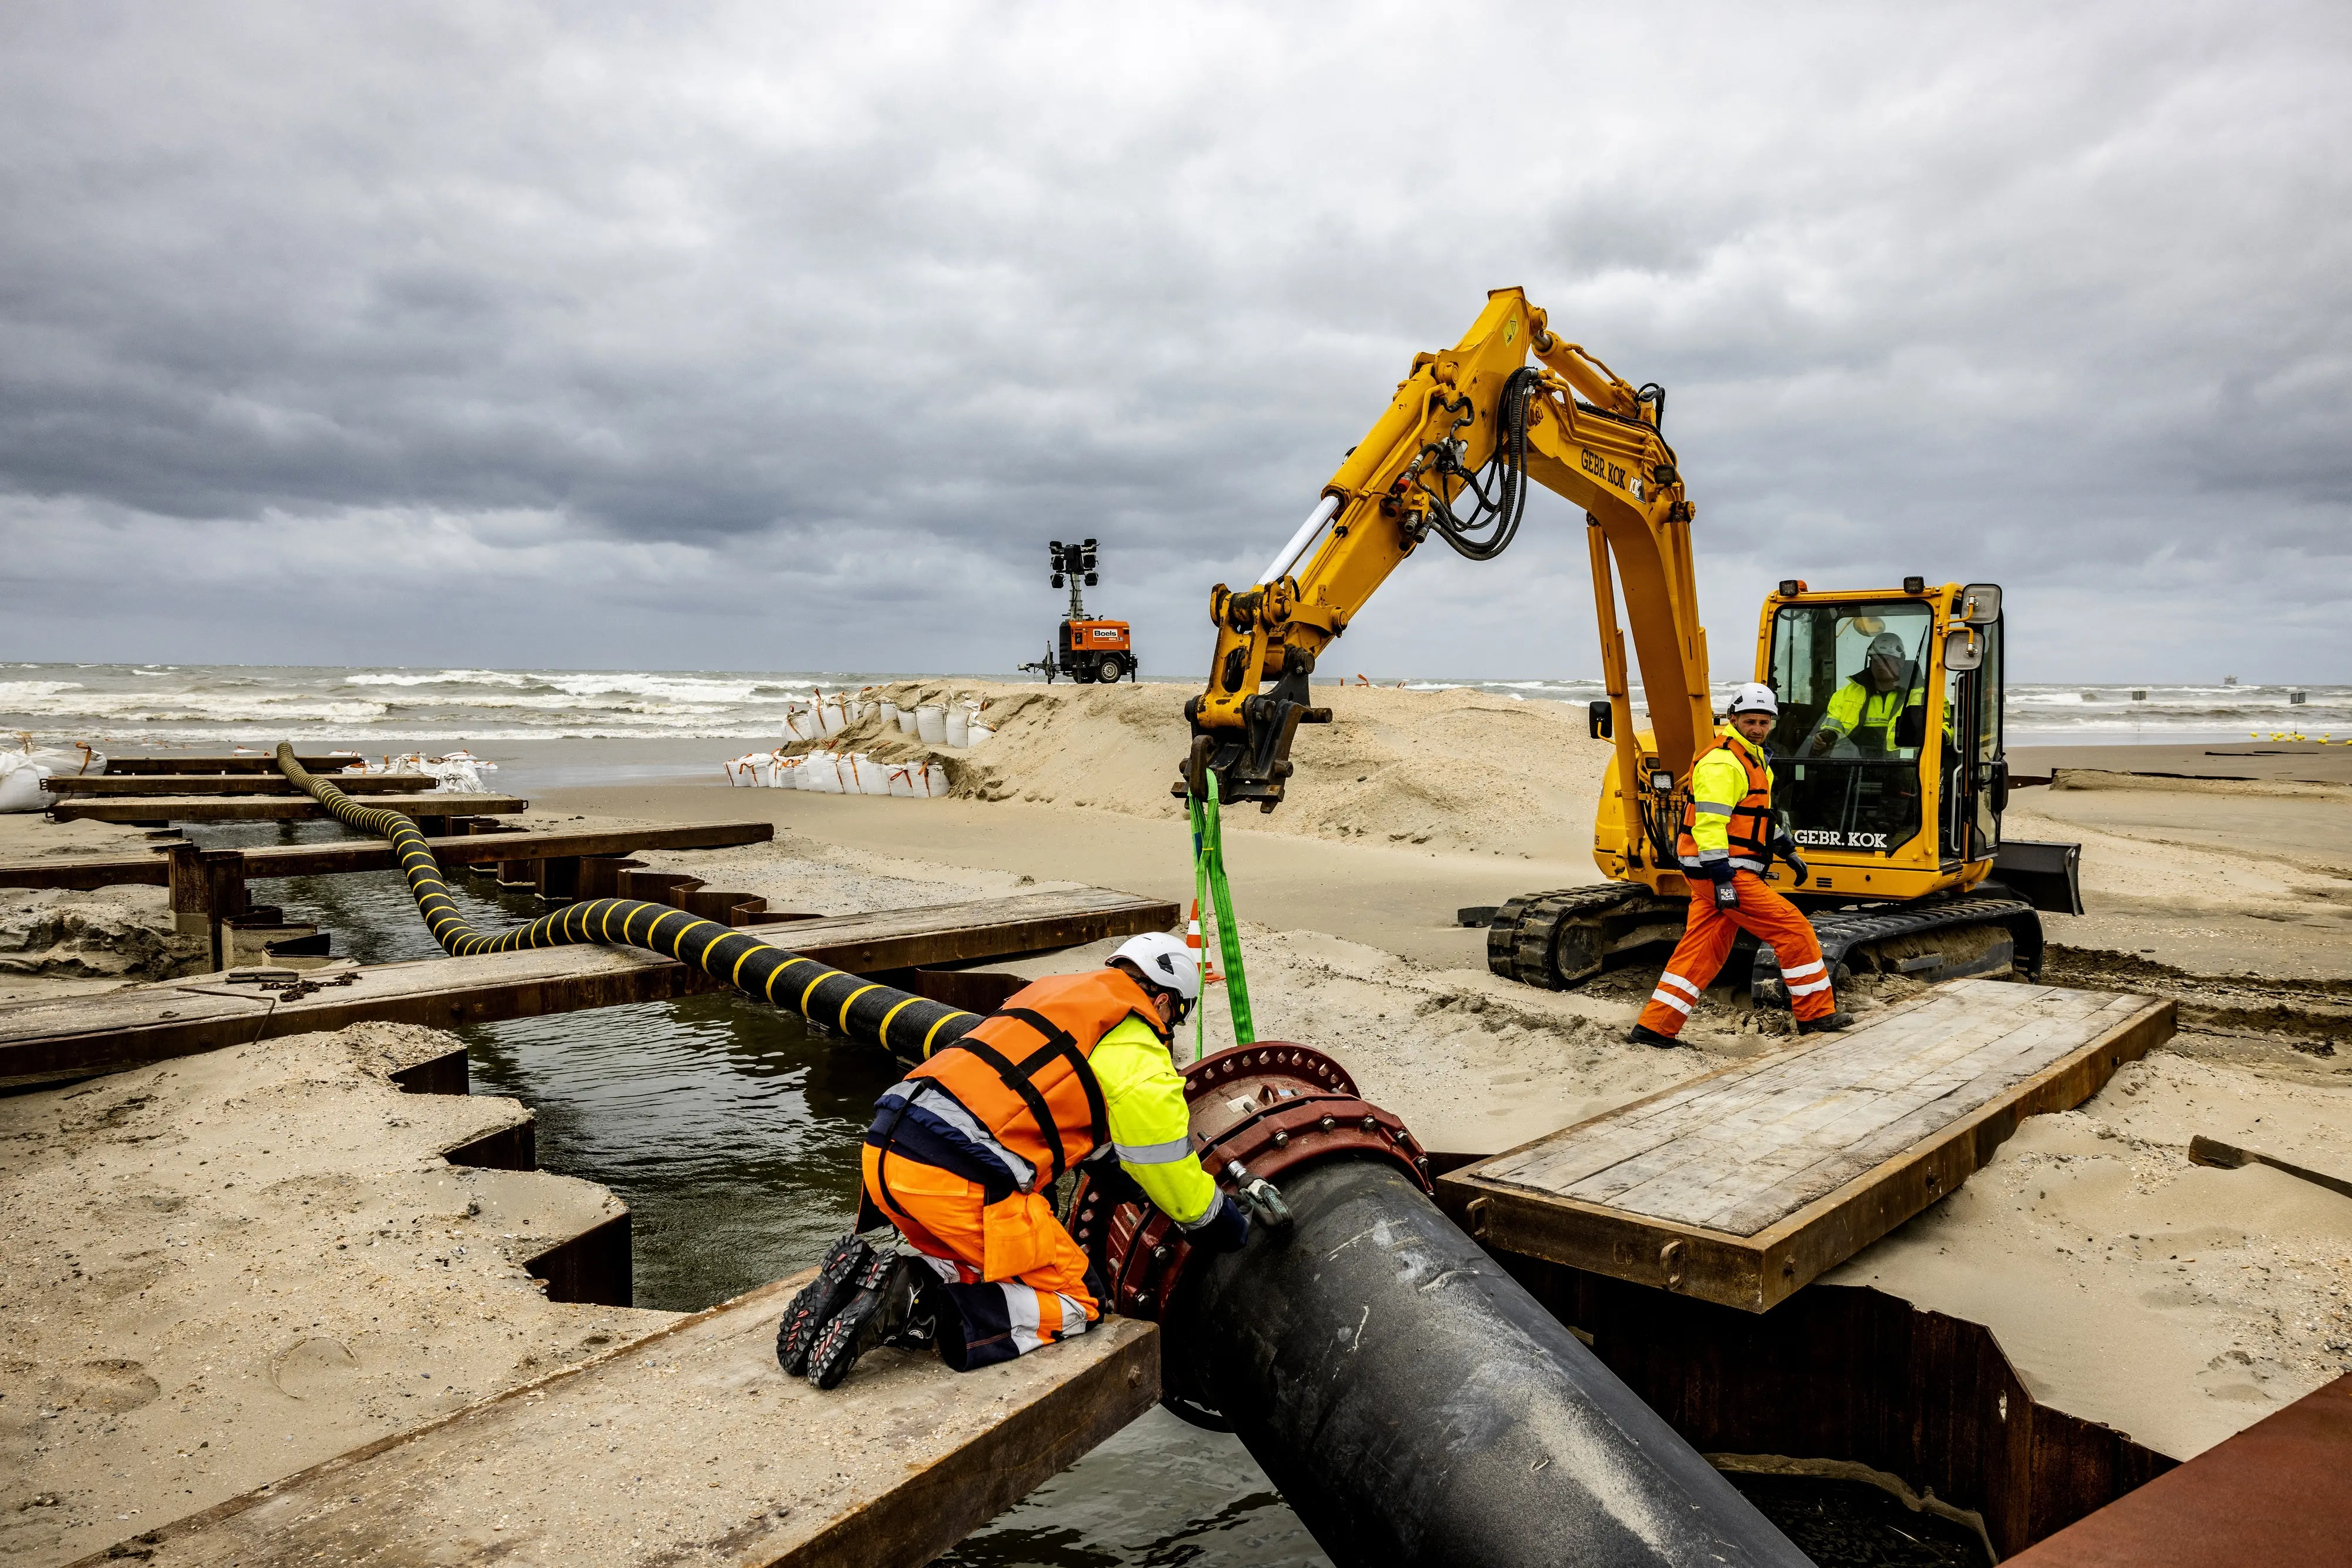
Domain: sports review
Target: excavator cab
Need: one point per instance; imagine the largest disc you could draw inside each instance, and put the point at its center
(1887, 755)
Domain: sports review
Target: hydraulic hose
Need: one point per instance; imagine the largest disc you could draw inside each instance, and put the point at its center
(907, 1026)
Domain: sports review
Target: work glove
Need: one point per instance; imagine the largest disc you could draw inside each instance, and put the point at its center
(1226, 1230)
(1797, 864)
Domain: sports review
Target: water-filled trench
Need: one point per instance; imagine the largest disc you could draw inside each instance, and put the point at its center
(731, 1134)
(732, 1137)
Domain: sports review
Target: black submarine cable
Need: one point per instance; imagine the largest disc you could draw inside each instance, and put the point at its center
(906, 1026)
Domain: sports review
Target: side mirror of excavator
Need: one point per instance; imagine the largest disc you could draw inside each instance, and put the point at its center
(1600, 717)
(1979, 605)
(1963, 649)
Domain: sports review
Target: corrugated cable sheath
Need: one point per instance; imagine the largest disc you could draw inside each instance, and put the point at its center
(906, 1026)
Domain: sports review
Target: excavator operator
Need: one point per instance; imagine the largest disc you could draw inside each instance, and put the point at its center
(1729, 836)
(964, 1154)
(1866, 707)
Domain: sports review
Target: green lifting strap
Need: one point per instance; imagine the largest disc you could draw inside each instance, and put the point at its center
(1209, 889)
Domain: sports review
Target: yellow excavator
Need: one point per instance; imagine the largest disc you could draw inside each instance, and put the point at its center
(1888, 763)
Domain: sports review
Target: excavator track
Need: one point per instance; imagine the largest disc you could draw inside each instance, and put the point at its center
(1562, 937)
(1940, 939)
(1559, 938)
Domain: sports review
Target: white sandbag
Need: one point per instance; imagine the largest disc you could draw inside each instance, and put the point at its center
(831, 716)
(907, 721)
(931, 724)
(20, 782)
(934, 780)
(890, 713)
(742, 772)
(903, 786)
(980, 732)
(959, 726)
(821, 771)
(873, 774)
(787, 772)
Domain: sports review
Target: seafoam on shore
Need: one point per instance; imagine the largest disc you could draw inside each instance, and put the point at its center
(372, 707)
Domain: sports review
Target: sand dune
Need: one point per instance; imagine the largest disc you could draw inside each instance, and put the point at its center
(1454, 769)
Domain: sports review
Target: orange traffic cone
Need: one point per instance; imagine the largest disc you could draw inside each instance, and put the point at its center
(1193, 940)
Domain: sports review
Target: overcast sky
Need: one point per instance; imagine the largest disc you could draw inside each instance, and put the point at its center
(784, 337)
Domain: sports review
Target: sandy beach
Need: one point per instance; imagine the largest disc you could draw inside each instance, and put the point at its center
(2174, 1302)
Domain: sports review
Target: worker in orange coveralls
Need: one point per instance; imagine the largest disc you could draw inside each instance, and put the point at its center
(963, 1155)
(1729, 836)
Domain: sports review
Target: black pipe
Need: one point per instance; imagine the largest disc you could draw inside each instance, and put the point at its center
(1417, 1407)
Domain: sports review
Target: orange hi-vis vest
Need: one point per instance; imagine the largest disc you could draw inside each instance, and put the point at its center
(1023, 1073)
(1751, 822)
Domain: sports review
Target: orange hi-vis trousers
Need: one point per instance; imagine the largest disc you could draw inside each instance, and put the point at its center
(1707, 935)
(1016, 1278)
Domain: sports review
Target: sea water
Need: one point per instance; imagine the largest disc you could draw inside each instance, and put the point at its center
(378, 709)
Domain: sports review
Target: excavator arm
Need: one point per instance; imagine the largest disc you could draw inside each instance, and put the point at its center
(1466, 431)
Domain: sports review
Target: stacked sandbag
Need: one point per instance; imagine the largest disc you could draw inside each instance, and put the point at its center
(23, 768)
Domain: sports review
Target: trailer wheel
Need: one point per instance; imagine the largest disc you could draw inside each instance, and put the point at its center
(1108, 671)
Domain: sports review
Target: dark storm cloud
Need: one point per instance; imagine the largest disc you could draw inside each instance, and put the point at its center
(772, 339)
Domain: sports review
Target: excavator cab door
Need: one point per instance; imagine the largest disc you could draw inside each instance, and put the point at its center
(1856, 739)
(1974, 768)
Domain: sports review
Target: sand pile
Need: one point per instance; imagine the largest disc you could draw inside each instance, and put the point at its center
(109, 933)
(226, 1267)
(2176, 1303)
(1453, 770)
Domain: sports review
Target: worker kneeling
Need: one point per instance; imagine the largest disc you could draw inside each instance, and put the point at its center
(1729, 836)
(963, 1153)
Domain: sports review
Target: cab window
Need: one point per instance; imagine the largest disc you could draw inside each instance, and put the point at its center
(1856, 715)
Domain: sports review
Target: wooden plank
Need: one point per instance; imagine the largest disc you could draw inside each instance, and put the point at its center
(1741, 1186)
(374, 854)
(87, 872)
(109, 784)
(78, 1036)
(249, 808)
(692, 1445)
(256, 762)
(475, 849)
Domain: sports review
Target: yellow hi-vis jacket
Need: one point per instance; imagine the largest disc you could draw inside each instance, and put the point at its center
(1868, 717)
(1720, 786)
(1150, 1127)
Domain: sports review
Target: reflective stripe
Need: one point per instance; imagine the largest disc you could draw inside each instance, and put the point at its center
(1215, 1208)
(1021, 1310)
(1672, 1000)
(1671, 979)
(1822, 984)
(937, 1101)
(1742, 862)
(1802, 970)
(1706, 856)
(1710, 808)
(1025, 1311)
(1155, 1154)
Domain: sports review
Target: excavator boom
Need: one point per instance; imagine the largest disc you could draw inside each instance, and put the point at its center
(1466, 433)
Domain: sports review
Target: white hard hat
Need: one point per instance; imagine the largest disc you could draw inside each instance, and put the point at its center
(1165, 961)
(1754, 697)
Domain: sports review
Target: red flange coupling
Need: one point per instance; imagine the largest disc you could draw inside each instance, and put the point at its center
(1258, 1112)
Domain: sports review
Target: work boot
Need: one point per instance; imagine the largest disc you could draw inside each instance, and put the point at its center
(835, 1282)
(890, 1289)
(1827, 1023)
(1642, 1035)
